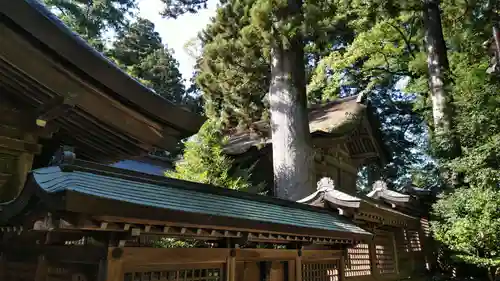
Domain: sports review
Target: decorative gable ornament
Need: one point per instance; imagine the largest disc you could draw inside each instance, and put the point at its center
(326, 193)
(381, 191)
(378, 188)
(325, 184)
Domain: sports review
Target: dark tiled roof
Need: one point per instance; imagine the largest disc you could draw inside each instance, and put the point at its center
(164, 193)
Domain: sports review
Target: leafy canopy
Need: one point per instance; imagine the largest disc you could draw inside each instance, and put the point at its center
(91, 19)
(205, 162)
(139, 50)
(468, 221)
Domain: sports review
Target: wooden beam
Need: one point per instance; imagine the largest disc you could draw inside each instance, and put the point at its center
(312, 255)
(365, 155)
(77, 254)
(265, 255)
(54, 109)
(134, 257)
(75, 122)
(19, 145)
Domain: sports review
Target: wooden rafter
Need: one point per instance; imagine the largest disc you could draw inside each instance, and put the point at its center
(164, 229)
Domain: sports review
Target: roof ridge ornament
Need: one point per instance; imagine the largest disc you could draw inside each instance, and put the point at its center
(64, 155)
(380, 190)
(378, 187)
(325, 184)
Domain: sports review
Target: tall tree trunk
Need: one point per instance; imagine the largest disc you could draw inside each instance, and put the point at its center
(373, 174)
(448, 145)
(293, 157)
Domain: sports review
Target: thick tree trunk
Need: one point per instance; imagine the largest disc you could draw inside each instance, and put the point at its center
(439, 82)
(293, 157)
(374, 174)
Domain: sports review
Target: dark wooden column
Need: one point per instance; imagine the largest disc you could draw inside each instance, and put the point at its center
(18, 145)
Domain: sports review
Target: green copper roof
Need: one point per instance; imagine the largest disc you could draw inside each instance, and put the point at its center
(160, 192)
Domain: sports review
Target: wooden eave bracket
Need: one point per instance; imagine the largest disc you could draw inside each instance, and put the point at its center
(131, 230)
(56, 108)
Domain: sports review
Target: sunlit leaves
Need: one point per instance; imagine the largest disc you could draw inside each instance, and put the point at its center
(468, 221)
(205, 162)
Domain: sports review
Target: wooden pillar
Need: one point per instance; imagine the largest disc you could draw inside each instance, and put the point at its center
(373, 258)
(298, 267)
(102, 271)
(18, 145)
(251, 272)
(231, 266)
(342, 276)
(16, 159)
(2, 267)
(114, 267)
(277, 272)
(395, 251)
(41, 269)
(291, 271)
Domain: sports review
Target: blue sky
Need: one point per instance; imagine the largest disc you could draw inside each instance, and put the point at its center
(176, 32)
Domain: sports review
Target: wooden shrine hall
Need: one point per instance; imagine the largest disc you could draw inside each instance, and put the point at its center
(345, 136)
(67, 113)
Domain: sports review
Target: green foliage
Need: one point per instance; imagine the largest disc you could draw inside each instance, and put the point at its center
(468, 221)
(478, 121)
(205, 162)
(139, 50)
(91, 19)
(381, 56)
(233, 72)
(134, 43)
(234, 69)
(176, 8)
(176, 243)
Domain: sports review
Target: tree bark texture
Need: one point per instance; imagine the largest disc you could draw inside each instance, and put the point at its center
(439, 81)
(293, 157)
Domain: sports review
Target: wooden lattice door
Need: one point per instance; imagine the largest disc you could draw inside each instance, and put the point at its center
(385, 253)
(358, 261)
(321, 271)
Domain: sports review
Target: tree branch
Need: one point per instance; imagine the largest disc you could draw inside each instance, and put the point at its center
(405, 39)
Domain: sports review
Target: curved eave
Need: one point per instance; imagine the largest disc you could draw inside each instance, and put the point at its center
(34, 18)
(101, 191)
(334, 197)
(370, 205)
(31, 193)
(332, 120)
(338, 198)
